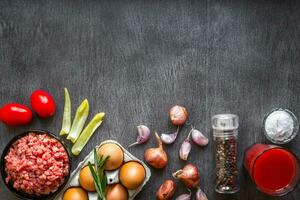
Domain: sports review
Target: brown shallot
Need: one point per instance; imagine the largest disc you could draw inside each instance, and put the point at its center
(178, 115)
(185, 148)
(166, 190)
(200, 195)
(189, 175)
(156, 157)
(143, 135)
(169, 138)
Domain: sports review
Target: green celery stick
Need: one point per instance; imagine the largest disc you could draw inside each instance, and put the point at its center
(79, 120)
(66, 123)
(87, 133)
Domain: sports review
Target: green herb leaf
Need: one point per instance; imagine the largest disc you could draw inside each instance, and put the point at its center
(95, 177)
(98, 173)
(96, 160)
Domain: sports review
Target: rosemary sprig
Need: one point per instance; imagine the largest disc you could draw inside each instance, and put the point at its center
(98, 173)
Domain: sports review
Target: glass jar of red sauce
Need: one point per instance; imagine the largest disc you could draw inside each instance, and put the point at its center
(274, 170)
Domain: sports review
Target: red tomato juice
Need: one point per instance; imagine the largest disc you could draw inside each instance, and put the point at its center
(273, 169)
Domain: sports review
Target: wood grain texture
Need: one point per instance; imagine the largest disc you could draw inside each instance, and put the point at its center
(135, 59)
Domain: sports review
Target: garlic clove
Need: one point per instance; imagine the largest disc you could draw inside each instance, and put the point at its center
(184, 196)
(200, 195)
(185, 149)
(143, 135)
(198, 138)
(169, 138)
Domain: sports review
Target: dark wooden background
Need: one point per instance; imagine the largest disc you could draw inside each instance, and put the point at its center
(135, 59)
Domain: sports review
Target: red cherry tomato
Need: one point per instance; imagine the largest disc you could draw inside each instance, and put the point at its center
(15, 114)
(42, 103)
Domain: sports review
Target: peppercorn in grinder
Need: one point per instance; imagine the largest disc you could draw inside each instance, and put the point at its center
(225, 134)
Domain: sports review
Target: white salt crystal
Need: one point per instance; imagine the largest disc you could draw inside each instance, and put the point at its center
(279, 125)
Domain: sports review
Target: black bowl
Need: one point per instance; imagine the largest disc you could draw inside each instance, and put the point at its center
(21, 194)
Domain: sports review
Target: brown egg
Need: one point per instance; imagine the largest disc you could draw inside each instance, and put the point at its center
(115, 153)
(132, 174)
(75, 193)
(86, 179)
(116, 192)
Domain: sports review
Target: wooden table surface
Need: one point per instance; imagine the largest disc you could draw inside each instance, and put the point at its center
(135, 59)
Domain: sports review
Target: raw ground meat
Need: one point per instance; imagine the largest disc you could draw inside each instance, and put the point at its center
(36, 164)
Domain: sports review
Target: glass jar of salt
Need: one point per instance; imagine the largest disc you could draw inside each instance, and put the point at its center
(225, 133)
(280, 126)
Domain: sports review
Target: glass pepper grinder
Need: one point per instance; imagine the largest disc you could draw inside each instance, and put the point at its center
(225, 134)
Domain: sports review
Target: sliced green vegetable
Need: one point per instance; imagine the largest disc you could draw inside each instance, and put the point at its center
(79, 120)
(66, 124)
(87, 133)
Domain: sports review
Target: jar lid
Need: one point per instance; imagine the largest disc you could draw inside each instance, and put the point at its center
(225, 121)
